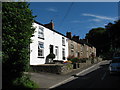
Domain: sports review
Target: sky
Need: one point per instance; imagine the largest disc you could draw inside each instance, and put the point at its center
(75, 17)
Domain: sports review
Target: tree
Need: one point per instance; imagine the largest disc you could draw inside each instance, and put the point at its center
(113, 31)
(106, 40)
(98, 38)
(17, 29)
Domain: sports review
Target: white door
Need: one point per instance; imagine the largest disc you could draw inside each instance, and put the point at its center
(56, 53)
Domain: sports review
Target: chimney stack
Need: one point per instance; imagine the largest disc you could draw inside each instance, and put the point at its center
(76, 38)
(69, 35)
(50, 25)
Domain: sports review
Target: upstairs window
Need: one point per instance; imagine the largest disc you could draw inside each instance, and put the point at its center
(40, 49)
(72, 52)
(41, 32)
(72, 46)
(63, 41)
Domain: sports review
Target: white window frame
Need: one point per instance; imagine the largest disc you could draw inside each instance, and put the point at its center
(41, 32)
(40, 49)
(63, 41)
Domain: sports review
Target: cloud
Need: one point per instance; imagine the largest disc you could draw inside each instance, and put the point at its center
(79, 21)
(52, 9)
(98, 17)
(96, 20)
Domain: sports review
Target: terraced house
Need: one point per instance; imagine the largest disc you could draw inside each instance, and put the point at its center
(46, 40)
(78, 47)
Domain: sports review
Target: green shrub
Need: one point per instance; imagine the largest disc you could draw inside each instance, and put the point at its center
(17, 30)
(83, 60)
(24, 82)
(69, 66)
(74, 60)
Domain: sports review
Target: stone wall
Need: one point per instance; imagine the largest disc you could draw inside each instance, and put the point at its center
(53, 68)
(62, 68)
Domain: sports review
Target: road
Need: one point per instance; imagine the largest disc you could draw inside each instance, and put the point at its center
(96, 77)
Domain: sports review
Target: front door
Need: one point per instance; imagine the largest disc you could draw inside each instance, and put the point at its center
(56, 52)
(51, 48)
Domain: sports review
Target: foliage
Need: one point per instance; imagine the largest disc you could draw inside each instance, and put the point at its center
(17, 21)
(70, 57)
(73, 59)
(113, 30)
(69, 66)
(97, 37)
(106, 40)
(24, 82)
(82, 60)
(67, 62)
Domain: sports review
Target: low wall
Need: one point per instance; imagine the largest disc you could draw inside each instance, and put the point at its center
(97, 59)
(62, 68)
(53, 68)
(59, 68)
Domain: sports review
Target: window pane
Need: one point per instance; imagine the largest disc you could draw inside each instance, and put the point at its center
(41, 45)
(63, 41)
(40, 48)
(41, 32)
(63, 52)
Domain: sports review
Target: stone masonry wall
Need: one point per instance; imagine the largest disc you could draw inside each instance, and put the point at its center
(53, 68)
(61, 68)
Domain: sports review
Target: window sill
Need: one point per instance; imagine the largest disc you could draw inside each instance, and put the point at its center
(63, 45)
(40, 57)
(41, 38)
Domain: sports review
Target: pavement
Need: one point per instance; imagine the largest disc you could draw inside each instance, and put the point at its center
(49, 80)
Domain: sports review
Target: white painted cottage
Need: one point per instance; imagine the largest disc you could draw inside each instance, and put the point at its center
(45, 40)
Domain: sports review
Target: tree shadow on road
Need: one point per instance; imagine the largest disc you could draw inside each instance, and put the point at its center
(91, 80)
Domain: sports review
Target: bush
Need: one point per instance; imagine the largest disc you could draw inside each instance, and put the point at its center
(70, 57)
(83, 60)
(17, 30)
(75, 60)
(24, 82)
(67, 62)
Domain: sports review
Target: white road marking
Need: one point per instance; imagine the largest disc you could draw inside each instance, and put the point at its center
(72, 78)
(86, 70)
(65, 81)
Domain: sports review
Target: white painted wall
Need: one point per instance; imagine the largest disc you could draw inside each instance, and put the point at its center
(50, 37)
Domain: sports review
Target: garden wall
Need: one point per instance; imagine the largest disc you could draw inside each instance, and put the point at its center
(53, 68)
(62, 68)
